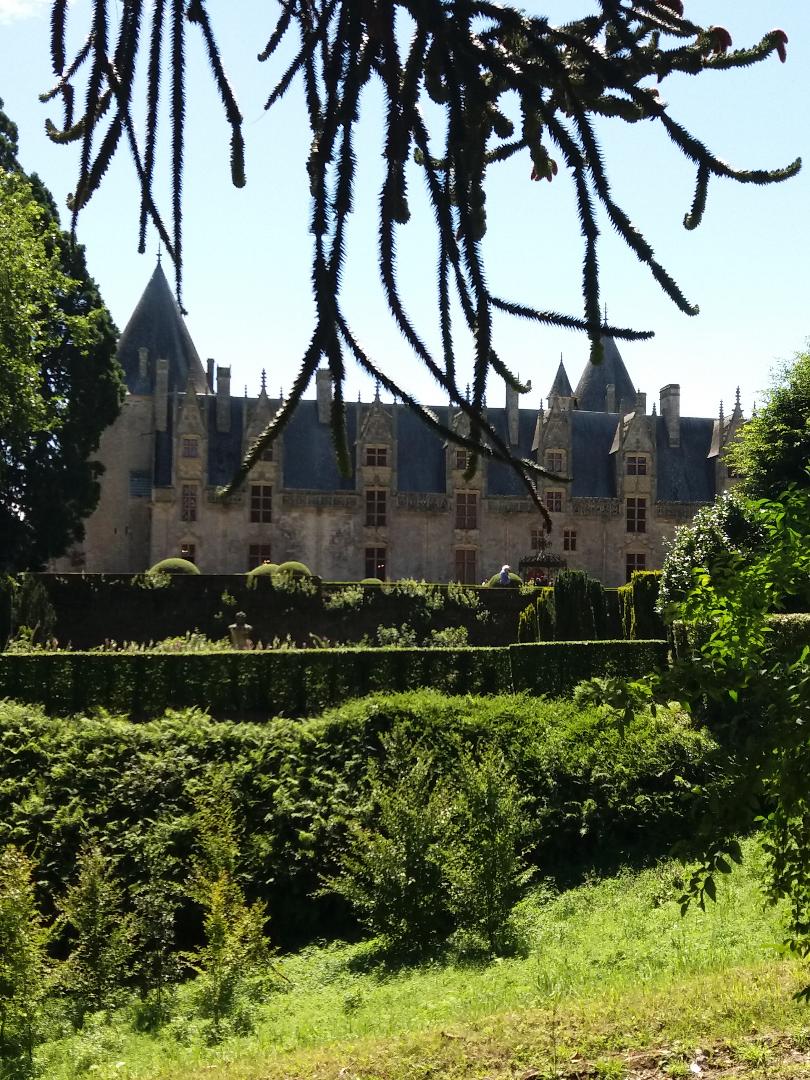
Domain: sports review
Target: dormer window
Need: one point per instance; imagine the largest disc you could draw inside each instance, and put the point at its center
(377, 456)
(636, 465)
(267, 453)
(462, 460)
(555, 461)
(190, 447)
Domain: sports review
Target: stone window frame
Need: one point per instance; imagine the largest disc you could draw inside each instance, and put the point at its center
(188, 551)
(465, 561)
(376, 456)
(374, 559)
(376, 507)
(636, 514)
(636, 465)
(569, 539)
(554, 501)
(189, 502)
(537, 539)
(461, 460)
(633, 561)
(555, 460)
(258, 554)
(190, 447)
(260, 509)
(467, 510)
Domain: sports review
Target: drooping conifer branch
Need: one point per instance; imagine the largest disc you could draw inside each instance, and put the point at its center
(480, 63)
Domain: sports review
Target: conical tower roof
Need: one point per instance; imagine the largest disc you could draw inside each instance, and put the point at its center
(561, 387)
(591, 391)
(157, 325)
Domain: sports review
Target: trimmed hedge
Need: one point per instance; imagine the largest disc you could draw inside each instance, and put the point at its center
(303, 682)
(555, 667)
(174, 566)
(638, 600)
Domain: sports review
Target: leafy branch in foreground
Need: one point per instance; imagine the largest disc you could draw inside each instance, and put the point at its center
(504, 83)
(753, 688)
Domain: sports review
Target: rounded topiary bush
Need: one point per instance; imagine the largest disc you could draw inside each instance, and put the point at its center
(371, 581)
(263, 569)
(173, 566)
(296, 568)
(515, 581)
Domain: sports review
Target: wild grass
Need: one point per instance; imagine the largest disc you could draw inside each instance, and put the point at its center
(610, 970)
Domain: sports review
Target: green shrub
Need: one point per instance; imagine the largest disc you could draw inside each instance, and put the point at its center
(371, 581)
(392, 870)
(485, 864)
(173, 566)
(449, 637)
(7, 586)
(31, 607)
(23, 964)
(527, 624)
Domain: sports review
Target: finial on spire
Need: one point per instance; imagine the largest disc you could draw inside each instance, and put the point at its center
(264, 382)
(468, 392)
(654, 409)
(281, 393)
(245, 391)
(159, 253)
(605, 323)
(737, 398)
(721, 409)
(376, 389)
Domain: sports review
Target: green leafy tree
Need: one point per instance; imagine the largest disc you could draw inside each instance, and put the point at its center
(60, 385)
(729, 524)
(485, 866)
(24, 966)
(392, 870)
(503, 83)
(753, 688)
(156, 900)
(92, 910)
(235, 946)
(772, 450)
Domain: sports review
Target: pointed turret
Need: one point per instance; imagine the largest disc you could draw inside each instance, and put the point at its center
(561, 387)
(156, 331)
(592, 389)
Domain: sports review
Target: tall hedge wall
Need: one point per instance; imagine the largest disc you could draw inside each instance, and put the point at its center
(303, 682)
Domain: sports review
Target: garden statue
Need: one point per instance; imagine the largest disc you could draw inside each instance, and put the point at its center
(240, 632)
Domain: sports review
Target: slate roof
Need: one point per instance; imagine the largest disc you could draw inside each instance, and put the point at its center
(501, 479)
(157, 325)
(421, 462)
(309, 452)
(684, 473)
(591, 391)
(592, 466)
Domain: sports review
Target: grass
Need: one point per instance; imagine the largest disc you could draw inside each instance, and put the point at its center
(614, 982)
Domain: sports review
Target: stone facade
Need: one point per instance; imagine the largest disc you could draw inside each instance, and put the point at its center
(627, 478)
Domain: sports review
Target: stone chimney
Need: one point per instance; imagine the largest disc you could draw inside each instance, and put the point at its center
(610, 398)
(512, 415)
(161, 395)
(223, 399)
(641, 403)
(670, 404)
(209, 374)
(323, 394)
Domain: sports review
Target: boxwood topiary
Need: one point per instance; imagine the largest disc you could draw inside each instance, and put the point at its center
(174, 566)
(296, 568)
(515, 581)
(262, 570)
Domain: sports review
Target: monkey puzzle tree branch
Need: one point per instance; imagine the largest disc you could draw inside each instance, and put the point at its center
(480, 64)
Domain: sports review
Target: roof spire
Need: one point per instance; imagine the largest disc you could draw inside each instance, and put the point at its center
(263, 389)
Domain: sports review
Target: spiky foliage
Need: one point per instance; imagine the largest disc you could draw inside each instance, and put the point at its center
(476, 61)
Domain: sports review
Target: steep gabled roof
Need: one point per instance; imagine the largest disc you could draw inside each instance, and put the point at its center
(157, 325)
(591, 391)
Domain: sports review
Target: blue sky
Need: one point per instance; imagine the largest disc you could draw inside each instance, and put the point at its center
(247, 252)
